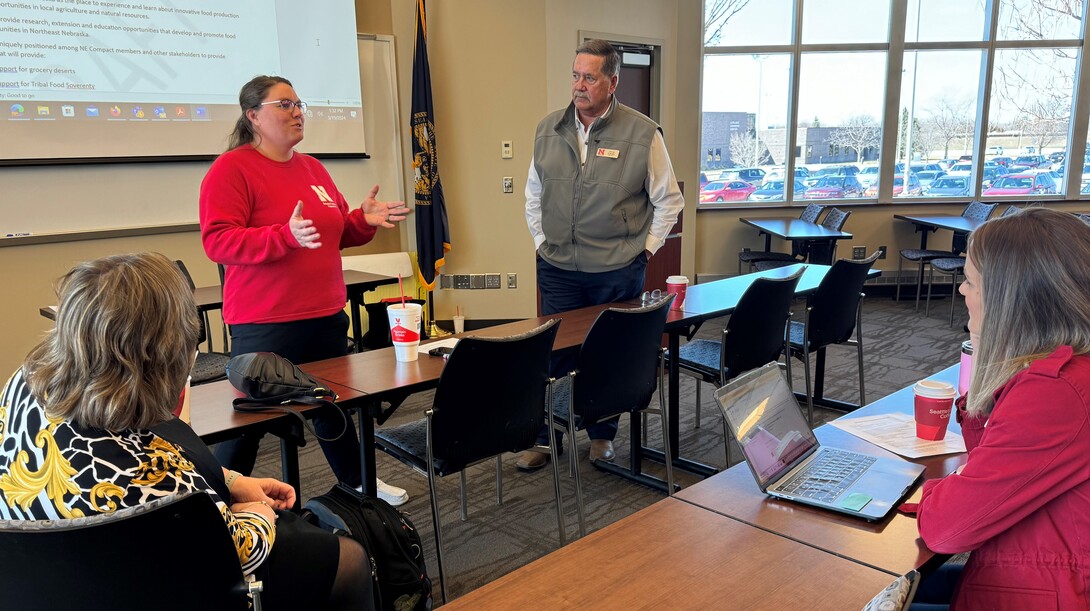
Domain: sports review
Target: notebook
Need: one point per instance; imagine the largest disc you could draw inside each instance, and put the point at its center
(788, 462)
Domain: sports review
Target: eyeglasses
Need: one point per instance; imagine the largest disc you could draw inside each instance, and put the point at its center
(649, 297)
(288, 105)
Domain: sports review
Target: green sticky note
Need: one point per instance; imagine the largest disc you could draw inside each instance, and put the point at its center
(855, 501)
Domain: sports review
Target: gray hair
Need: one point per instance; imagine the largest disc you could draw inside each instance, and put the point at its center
(122, 346)
(1036, 295)
(601, 48)
(250, 96)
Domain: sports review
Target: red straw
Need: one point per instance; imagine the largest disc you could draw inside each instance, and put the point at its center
(401, 287)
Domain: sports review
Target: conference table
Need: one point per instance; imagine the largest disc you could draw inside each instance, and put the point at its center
(798, 230)
(723, 543)
(891, 545)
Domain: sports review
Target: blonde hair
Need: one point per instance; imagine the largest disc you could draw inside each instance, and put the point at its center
(122, 346)
(1035, 289)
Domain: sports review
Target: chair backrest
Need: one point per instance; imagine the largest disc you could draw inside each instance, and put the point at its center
(491, 397)
(978, 211)
(1010, 210)
(754, 333)
(833, 305)
(835, 219)
(185, 272)
(172, 554)
(811, 212)
(618, 361)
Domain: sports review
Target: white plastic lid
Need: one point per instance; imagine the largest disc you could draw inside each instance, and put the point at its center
(934, 389)
(677, 280)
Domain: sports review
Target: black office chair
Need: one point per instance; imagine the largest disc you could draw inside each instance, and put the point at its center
(835, 221)
(173, 553)
(616, 372)
(753, 336)
(799, 249)
(977, 211)
(210, 366)
(491, 399)
(833, 313)
(954, 267)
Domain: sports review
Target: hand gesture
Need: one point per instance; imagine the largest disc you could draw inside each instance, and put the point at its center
(382, 214)
(303, 229)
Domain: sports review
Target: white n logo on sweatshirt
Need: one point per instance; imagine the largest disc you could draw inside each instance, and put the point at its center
(323, 196)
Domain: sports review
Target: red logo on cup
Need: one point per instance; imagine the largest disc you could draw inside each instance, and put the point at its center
(400, 334)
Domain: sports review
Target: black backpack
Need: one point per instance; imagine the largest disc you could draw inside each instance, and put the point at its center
(400, 579)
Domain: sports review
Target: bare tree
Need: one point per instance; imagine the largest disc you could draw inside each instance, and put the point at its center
(743, 147)
(857, 133)
(716, 15)
(948, 120)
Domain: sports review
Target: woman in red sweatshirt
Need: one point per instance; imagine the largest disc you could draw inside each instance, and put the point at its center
(1021, 504)
(275, 220)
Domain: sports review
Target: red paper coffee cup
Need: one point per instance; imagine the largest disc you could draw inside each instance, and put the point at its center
(676, 285)
(934, 402)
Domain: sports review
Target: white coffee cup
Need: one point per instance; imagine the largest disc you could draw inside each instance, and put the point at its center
(404, 329)
(459, 323)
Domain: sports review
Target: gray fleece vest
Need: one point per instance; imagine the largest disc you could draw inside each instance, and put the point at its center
(596, 217)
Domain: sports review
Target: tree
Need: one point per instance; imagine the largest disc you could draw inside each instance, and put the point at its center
(857, 133)
(743, 147)
(949, 119)
(716, 16)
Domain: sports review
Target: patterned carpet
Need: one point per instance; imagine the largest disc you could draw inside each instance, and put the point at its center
(900, 347)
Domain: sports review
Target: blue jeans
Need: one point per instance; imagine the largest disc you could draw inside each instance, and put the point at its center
(936, 591)
(300, 341)
(563, 290)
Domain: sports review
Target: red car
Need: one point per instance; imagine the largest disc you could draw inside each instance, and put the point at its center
(1022, 184)
(835, 187)
(726, 191)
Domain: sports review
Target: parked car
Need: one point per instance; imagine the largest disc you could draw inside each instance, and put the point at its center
(928, 176)
(703, 180)
(1003, 161)
(1031, 161)
(868, 175)
(754, 176)
(898, 186)
(947, 163)
(991, 173)
(834, 187)
(1022, 184)
(726, 191)
(948, 186)
(994, 150)
(1057, 157)
(960, 168)
(773, 190)
(832, 170)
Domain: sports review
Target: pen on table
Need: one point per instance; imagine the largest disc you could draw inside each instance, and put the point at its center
(18, 234)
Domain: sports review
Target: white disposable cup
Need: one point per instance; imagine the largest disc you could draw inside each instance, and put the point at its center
(183, 414)
(459, 324)
(676, 285)
(404, 329)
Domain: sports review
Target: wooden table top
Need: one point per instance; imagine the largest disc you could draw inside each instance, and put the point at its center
(673, 555)
(796, 229)
(952, 222)
(891, 545)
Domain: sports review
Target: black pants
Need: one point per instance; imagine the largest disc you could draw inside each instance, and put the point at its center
(563, 290)
(300, 341)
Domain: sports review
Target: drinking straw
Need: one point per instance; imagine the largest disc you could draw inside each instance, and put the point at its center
(401, 287)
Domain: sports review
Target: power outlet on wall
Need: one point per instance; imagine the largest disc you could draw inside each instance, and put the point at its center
(859, 252)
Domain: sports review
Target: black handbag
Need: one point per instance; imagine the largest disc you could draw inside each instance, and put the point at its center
(272, 382)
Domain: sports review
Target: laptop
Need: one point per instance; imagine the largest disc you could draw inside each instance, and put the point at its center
(788, 462)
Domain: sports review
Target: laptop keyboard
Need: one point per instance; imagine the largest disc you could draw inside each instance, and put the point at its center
(828, 475)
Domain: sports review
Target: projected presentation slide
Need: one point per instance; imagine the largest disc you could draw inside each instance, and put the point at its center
(97, 79)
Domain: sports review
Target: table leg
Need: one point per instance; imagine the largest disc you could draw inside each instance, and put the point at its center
(356, 301)
(367, 451)
(768, 242)
(919, 268)
(289, 467)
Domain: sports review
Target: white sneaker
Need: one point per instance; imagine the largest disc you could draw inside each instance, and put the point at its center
(391, 494)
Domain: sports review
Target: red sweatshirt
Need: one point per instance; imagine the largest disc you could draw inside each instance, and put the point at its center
(1022, 501)
(246, 202)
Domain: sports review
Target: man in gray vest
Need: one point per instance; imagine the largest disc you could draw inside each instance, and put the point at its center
(601, 198)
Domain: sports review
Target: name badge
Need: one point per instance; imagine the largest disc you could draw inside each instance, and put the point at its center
(611, 153)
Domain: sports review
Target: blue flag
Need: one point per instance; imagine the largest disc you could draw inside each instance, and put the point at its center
(432, 232)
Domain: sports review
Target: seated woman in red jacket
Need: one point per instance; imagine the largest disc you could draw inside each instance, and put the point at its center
(1021, 504)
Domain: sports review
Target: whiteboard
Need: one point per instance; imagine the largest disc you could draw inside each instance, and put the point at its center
(62, 203)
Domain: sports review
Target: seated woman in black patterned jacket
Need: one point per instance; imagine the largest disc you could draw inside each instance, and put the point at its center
(86, 427)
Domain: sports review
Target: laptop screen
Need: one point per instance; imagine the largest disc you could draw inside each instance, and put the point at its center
(766, 421)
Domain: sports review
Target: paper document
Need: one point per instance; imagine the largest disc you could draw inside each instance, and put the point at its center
(441, 343)
(897, 433)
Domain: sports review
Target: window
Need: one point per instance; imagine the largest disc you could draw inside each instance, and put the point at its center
(988, 80)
